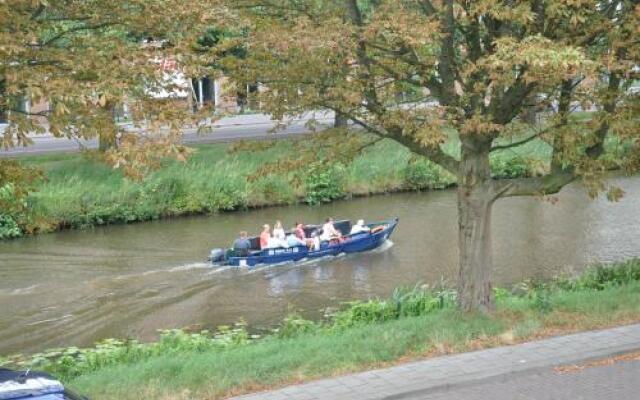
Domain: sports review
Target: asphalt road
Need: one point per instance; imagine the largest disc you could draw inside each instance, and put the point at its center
(617, 381)
(226, 130)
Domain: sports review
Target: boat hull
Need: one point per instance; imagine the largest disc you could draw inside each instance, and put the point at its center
(356, 243)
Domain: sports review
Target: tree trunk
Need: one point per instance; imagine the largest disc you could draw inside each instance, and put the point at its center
(107, 137)
(341, 121)
(106, 141)
(475, 201)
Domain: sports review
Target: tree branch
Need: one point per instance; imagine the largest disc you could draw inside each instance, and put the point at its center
(516, 144)
(545, 185)
(446, 66)
(433, 153)
(75, 29)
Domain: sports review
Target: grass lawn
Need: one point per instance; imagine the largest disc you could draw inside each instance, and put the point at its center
(274, 361)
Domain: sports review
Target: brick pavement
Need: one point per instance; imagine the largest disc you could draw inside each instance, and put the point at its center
(499, 369)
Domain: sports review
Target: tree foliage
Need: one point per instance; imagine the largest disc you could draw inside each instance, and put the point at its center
(474, 69)
(85, 58)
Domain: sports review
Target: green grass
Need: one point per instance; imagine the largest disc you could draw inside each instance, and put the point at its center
(81, 191)
(275, 362)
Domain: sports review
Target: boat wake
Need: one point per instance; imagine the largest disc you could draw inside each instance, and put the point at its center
(383, 247)
(179, 268)
(18, 291)
(188, 267)
(220, 269)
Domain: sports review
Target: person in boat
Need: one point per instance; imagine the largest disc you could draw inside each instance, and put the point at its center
(359, 227)
(279, 236)
(265, 236)
(268, 241)
(293, 241)
(299, 233)
(329, 232)
(242, 245)
(278, 231)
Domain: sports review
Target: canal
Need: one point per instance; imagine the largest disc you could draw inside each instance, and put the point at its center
(76, 287)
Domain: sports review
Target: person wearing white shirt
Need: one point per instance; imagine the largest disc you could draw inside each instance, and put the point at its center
(359, 227)
(329, 231)
(278, 231)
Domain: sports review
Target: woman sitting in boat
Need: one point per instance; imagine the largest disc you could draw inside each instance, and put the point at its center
(268, 241)
(329, 232)
(278, 231)
(359, 227)
(299, 233)
(265, 236)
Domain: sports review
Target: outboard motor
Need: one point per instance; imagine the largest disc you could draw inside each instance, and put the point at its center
(217, 255)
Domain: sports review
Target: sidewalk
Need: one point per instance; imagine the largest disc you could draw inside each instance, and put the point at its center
(529, 362)
(232, 121)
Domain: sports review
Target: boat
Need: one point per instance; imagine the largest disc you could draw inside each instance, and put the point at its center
(355, 243)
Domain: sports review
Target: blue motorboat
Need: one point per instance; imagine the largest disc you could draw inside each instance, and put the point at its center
(355, 243)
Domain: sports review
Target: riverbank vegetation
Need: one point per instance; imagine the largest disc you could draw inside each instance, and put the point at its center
(410, 324)
(80, 191)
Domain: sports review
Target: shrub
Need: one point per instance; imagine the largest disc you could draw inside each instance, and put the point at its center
(9, 229)
(294, 325)
(419, 300)
(422, 174)
(324, 183)
(514, 167)
(404, 302)
(602, 276)
(16, 182)
(70, 362)
(273, 190)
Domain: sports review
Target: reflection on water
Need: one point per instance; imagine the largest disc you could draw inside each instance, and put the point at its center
(128, 281)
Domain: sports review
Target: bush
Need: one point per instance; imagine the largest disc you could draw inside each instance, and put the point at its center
(9, 229)
(420, 300)
(294, 325)
(420, 174)
(69, 362)
(602, 276)
(272, 190)
(324, 183)
(507, 168)
(417, 301)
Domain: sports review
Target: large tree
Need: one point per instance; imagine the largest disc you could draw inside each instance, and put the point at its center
(85, 58)
(480, 66)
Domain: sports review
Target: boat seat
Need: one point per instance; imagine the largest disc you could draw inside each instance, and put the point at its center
(255, 243)
(309, 229)
(344, 226)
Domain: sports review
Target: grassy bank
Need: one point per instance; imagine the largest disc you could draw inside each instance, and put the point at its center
(411, 324)
(80, 192)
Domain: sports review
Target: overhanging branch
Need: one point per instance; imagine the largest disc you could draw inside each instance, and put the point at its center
(544, 185)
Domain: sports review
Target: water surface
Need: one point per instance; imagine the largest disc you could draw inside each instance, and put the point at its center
(76, 287)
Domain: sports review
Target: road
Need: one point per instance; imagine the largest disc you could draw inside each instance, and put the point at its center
(615, 381)
(255, 126)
